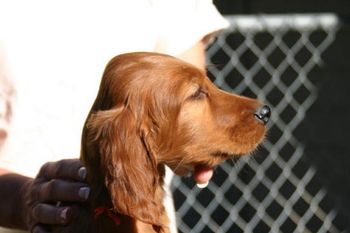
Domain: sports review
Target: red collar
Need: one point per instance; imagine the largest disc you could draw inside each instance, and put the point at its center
(110, 213)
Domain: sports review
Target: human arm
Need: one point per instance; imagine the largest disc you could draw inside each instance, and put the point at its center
(195, 55)
(30, 204)
(188, 36)
(11, 200)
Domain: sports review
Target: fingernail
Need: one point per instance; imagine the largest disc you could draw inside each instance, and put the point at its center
(82, 173)
(63, 215)
(84, 193)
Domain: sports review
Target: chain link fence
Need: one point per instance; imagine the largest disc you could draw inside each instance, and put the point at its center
(275, 190)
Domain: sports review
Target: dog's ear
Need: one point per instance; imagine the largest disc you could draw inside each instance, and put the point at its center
(127, 162)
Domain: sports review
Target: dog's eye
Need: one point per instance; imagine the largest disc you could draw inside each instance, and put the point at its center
(199, 94)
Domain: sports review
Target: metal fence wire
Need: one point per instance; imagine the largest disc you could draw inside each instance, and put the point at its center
(276, 189)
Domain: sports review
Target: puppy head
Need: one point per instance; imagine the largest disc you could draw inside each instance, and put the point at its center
(118, 144)
(151, 110)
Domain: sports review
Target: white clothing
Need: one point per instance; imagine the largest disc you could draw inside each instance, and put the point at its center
(56, 52)
(6, 95)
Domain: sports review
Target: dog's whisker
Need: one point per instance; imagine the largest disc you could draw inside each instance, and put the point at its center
(179, 164)
(235, 162)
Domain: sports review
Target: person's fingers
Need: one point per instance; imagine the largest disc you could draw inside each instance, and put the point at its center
(62, 190)
(39, 229)
(82, 219)
(64, 169)
(52, 215)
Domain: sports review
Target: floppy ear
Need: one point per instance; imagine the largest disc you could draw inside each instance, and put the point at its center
(128, 164)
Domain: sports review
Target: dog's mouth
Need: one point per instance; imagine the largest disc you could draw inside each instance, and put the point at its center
(201, 174)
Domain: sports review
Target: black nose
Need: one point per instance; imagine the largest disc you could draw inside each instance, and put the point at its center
(263, 114)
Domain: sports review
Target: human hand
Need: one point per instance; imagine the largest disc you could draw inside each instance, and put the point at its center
(52, 197)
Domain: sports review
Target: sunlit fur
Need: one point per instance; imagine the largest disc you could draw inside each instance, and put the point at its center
(154, 110)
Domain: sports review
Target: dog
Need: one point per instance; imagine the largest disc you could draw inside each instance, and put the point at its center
(153, 110)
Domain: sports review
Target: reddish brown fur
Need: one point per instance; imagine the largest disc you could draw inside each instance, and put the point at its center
(154, 110)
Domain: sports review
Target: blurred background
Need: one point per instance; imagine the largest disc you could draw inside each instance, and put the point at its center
(295, 57)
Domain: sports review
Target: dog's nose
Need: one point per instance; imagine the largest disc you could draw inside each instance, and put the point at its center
(263, 114)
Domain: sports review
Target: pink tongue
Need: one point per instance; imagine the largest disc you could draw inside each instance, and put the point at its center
(202, 175)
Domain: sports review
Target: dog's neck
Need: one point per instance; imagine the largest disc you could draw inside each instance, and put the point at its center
(106, 223)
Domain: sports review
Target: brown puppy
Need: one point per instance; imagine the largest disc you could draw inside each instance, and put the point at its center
(154, 110)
